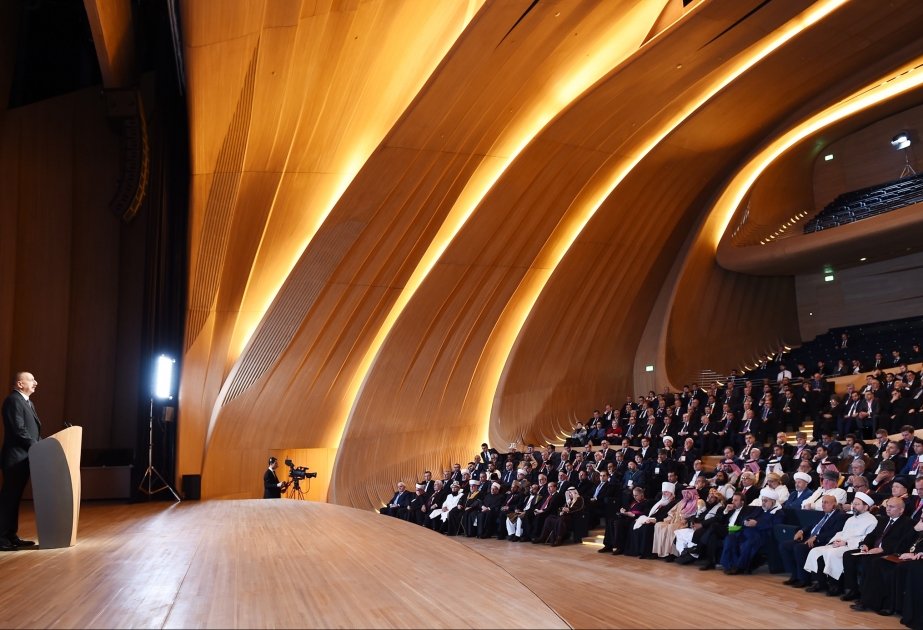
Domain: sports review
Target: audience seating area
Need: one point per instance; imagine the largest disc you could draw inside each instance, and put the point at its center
(868, 202)
(727, 477)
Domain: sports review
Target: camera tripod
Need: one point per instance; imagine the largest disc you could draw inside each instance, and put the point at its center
(294, 492)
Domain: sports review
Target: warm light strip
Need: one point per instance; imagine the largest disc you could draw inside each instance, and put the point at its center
(733, 194)
(491, 168)
(598, 190)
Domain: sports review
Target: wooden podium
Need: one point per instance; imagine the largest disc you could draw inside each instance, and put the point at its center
(55, 467)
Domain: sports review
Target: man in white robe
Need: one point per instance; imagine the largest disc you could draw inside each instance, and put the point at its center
(854, 532)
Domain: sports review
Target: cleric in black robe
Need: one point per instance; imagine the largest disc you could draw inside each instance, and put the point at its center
(471, 509)
(488, 521)
(619, 526)
(912, 611)
(883, 588)
(414, 512)
(641, 539)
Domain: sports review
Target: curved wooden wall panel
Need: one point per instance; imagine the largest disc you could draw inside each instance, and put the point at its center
(288, 98)
(423, 399)
(513, 69)
(486, 265)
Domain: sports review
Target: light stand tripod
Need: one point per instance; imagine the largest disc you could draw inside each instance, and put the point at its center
(151, 471)
(908, 170)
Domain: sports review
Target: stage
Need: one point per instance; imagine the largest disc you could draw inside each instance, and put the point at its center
(302, 564)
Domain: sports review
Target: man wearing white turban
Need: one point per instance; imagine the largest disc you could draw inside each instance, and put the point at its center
(854, 531)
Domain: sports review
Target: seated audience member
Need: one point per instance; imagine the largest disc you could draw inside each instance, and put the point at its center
(578, 437)
(398, 504)
(597, 433)
(709, 537)
(741, 547)
(824, 563)
(778, 462)
(800, 494)
(553, 501)
(596, 504)
(795, 552)
(641, 539)
(558, 525)
(614, 432)
(774, 481)
(829, 485)
(470, 510)
(414, 511)
(884, 585)
(519, 520)
(619, 526)
(677, 518)
(881, 483)
(433, 503)
(448, 507)
(801, 446)
(748, 487)
(487, 521)
(723, 485)
(687, 550)
(914, 465)
(884, 540)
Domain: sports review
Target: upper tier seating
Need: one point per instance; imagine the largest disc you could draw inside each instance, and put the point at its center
(868, 202)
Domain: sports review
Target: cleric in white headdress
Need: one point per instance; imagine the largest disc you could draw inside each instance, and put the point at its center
(854, 531)
(741, 547)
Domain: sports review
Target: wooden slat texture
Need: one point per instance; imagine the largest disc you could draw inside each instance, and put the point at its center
(258, 564)
(349, 284)
(287, 100)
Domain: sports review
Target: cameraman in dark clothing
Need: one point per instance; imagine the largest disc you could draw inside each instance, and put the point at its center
(272, 487)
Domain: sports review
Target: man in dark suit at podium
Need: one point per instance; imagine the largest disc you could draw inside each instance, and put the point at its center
(21, 429)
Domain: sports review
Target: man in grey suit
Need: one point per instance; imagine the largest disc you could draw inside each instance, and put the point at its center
(21, 429)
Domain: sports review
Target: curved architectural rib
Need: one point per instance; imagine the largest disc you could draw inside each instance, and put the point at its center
(287, 101)
(491, 94)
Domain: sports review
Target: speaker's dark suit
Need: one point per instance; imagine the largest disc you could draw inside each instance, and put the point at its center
(21, 428)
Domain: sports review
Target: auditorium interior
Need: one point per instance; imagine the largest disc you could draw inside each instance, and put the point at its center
(622, 296)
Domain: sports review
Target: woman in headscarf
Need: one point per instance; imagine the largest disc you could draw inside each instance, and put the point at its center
(678, 518)
(641, 540)
(557, 526)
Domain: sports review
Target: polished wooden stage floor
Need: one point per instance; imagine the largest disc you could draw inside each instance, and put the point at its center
(302, 564)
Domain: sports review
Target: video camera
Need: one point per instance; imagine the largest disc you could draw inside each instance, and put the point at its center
(298, 472)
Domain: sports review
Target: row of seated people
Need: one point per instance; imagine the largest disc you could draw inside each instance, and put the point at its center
(730, 516)
(775, 368)
(725, 419)
(878, 462)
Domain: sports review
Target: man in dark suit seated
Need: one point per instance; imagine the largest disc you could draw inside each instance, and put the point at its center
(549, 506)
(272, 487)
(21, 429)
(884, 540)
(716, 530)
(795, 552)
(398, 503)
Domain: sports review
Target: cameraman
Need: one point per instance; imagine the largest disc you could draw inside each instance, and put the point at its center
(272, 487)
